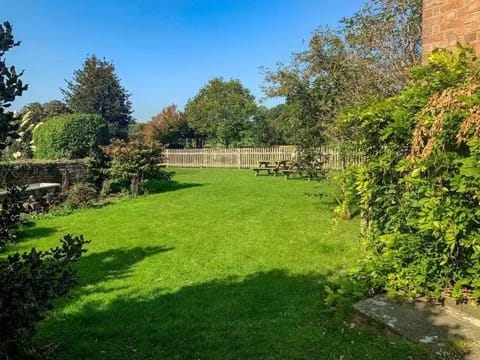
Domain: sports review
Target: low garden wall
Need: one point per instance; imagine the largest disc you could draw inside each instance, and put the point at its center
(53, 171)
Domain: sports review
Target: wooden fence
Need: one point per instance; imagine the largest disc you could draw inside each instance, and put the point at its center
(242, 158)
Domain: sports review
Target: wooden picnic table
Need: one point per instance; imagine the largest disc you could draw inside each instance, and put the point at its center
(266, 166)
(281, 163)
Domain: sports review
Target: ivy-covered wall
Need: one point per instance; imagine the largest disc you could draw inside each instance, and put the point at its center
(28, 172)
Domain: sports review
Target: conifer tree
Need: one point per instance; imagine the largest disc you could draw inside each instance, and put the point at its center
(96, 89)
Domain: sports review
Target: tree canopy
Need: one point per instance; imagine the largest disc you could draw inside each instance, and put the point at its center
(368, 55)
(11, 86)
(37, 112)
(269, 127)
(31, 116)
(221, 111)
(169, 127)
(389, 33)
(55, 107)
(96, 89)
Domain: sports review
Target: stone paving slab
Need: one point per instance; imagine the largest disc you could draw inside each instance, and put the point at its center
(437, 326)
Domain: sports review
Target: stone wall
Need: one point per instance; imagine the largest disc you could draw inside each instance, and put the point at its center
(446, 22)
(61, 171)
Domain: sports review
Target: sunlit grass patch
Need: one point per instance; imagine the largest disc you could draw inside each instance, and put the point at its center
(220, 264)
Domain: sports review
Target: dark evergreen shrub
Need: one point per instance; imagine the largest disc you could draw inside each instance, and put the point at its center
(29, 283)
(12, 208)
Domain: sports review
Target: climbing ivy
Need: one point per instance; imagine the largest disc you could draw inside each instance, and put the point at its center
(419, 193)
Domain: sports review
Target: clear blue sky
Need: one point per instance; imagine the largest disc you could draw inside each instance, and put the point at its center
(164, 51)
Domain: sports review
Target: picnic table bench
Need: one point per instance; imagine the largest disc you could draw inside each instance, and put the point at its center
(287, 168)
(267, 167)
(264, 166)
(311, 173)
(36, 189)
(288, 172)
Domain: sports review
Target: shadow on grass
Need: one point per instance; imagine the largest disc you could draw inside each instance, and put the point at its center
(157, 186)
(36, 233)
(29, 231)
(116, 263)
(268, 315)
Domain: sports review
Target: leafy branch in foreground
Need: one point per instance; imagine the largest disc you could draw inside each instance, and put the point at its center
(29, 283)
(11, 86)
(10, 212)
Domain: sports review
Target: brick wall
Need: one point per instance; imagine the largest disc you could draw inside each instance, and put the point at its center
(446, 22)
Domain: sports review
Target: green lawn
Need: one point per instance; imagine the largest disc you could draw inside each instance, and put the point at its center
(220, 265)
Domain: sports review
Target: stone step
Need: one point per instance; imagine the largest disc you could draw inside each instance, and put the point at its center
(441, 327)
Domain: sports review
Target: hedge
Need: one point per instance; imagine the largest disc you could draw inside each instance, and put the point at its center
(70, 136)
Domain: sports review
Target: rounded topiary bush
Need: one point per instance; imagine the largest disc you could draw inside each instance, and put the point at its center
(70, 136)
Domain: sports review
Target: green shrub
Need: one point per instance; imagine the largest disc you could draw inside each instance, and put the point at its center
(132, 163)
(309, 162)
(80, 195)
(389, 123)
(420, 193)
(12, 208)
(97, 164)
(70, 136)
(29, 283)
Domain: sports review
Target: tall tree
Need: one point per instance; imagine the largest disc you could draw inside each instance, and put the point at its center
(53, 108)
(221, 111)
(389, 32)
(11, 86)
(369, 55)
(268, 127)
(169, 127)
(316, 84)
(37, 112)
(96, 89)
(135, 132)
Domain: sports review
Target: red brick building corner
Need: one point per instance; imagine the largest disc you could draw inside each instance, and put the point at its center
(447, 22)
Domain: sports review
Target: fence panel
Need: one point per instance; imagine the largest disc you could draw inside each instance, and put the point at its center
(244, 158)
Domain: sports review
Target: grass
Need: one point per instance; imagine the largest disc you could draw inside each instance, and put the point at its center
(219, 265)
